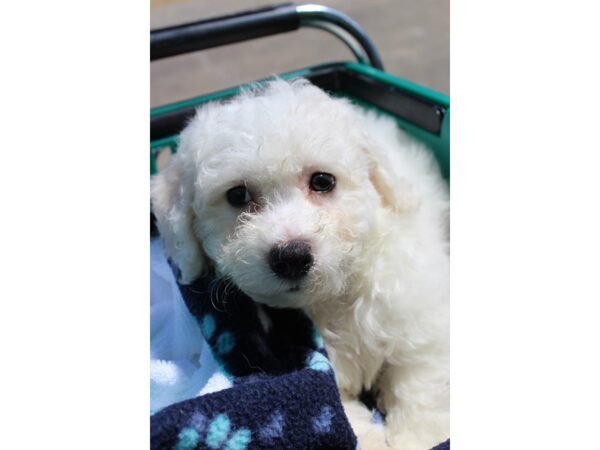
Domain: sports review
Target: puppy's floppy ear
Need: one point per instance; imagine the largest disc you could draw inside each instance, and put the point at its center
(172, 193)
(396, 192)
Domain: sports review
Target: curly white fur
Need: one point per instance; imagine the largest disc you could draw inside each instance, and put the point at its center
(378, 290)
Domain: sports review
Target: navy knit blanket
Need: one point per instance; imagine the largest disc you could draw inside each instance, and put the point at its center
(283, 395)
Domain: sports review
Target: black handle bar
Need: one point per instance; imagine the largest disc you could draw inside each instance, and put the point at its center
(262, 22)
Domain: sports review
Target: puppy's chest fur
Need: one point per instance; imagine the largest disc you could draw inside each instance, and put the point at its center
(358, 356)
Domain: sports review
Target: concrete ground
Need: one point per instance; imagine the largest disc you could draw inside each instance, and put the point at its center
(412, 37)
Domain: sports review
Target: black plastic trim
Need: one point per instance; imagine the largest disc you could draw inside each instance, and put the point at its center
(335, 79)
(421, 112)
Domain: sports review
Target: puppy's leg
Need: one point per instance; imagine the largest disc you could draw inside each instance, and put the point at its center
(416, 401)
(371, 436)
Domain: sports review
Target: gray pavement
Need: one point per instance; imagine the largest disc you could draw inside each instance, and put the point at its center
(412, 37)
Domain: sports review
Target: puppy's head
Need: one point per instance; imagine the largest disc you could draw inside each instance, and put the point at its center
(276, 191)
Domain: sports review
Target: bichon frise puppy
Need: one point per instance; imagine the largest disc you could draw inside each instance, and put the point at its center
(309, 202)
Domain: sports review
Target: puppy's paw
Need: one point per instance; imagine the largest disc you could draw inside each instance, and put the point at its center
(405, 441)
(370, 435)
(373, 439)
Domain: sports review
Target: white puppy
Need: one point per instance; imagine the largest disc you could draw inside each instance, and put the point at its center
(306, 201)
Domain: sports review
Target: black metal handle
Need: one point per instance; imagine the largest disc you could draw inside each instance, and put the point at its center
(263, 22)
(223, 30)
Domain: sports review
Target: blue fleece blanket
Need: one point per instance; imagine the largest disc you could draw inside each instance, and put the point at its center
(283, 393)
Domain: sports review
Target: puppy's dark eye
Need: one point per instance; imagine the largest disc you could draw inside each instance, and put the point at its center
(239, 196)
(322, 182)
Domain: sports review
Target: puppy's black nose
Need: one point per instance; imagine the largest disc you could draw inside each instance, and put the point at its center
(291, 260)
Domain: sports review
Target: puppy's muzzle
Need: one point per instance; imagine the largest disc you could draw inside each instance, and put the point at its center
(291, 260)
